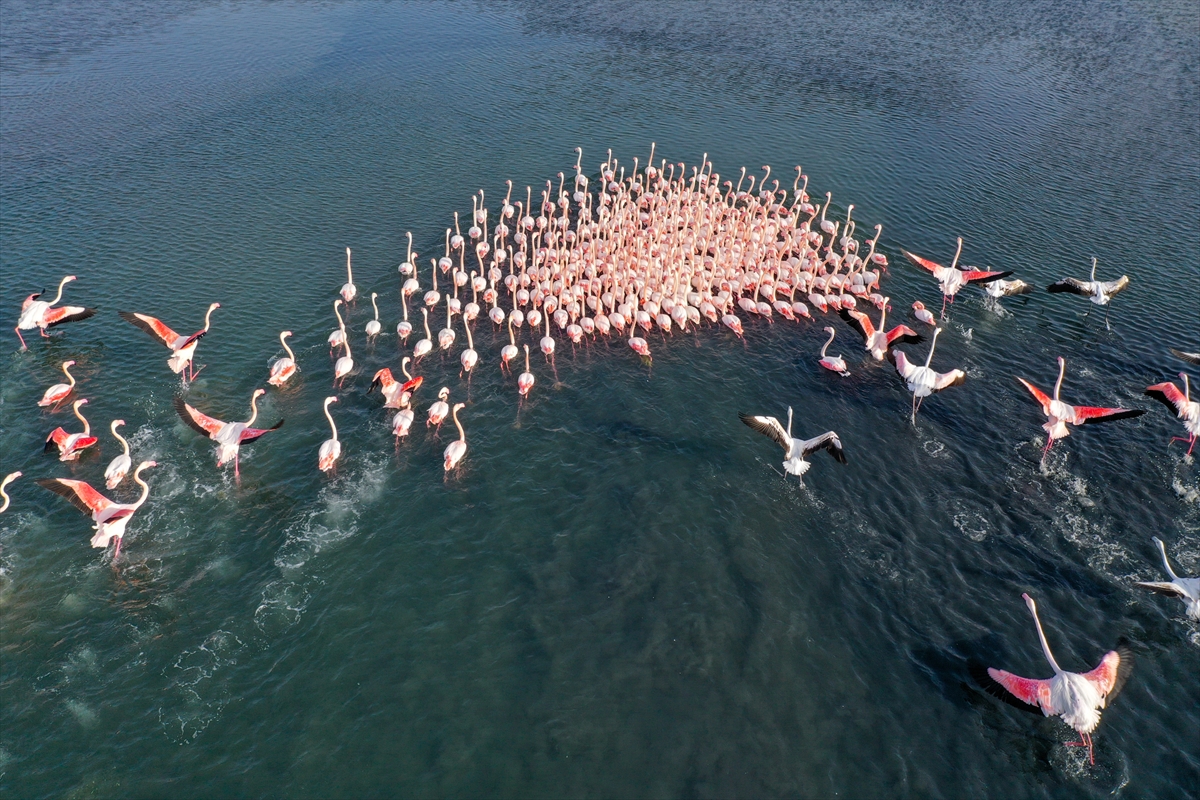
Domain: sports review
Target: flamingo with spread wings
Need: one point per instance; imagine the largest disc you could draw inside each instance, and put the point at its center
(1187, 409)
(71, 444)
(1060, 414)
(182, 347)
(876, 341)
(40, 314)
(110, 518)
(229, 436)
(951, 278)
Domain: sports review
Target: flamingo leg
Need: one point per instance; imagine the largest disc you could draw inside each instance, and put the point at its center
(1190, 440)
(236, 473)
(943, 314)
(1046, 449)
(43, 332)
(117, 552)
(22, 338)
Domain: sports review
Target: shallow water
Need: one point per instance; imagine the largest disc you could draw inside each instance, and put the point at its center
(618, 594)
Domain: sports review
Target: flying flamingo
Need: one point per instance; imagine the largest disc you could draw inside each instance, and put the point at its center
(924, 381)
(338, 337)
(182, 347)
(110, 518)
(39, 314)
(1078, 698)
(331, 449)
(1099, 292)
(458, 448)
(374, 326)
(1182, 404)
(439, 409)
(796, 450)
(950, 278)
(525, 379)
(4, 499)
(1060, 414)
(229, 436)
(284, 368)
(349, 290)
(877, 343)
(833, 363)
(70, 444)
(59, 391)
(119, 466)
(343, 365)
(509, 351)
(1186, 589)
(423, 346)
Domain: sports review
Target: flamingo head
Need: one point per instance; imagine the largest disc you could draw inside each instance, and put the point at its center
(116, 423)
(79, 403)
(444, 392)
(259, 393)
(71, 363)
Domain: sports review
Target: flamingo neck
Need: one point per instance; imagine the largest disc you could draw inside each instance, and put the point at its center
(87, 429)
(462, 435)
(404, 368)
(789, 428)
(425, 314)
(208, 317)
(408, 257)
(346, 345)
(932, 346)
(332, 426)
(283, 341)
(1045, 644)
(137, 476)
(338, 314)
(433, 266)
(1093, 278)
(1187, 392)
(828, 342)
(71, 378)
(470, 341)
(253, 409)
(349, 274)
(375, 306)
(120, 438)
(957, 253)
(58, 296)
(1062, 370)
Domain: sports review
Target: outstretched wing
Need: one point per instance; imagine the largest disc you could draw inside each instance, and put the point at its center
(81, 495)
(826, 441)
(859, 321)
(202, 424)
(1114, 669)
(413, 384)
(768, 426)
(1033, 691)
(1169, 395)
(1162, 587)
(250, 434)
(923, 263)
(898, 358)
(1191, 358)
(151, 325)
(1112, 287)
(56, 438)
(955, 377)
(1085, 415)
(57, 316)
(973, 275)
(905, 334)
(1042, 398)
(1072, 285)
(984, 679)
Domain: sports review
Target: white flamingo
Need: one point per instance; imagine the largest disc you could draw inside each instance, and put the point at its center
(59, 391)
(331, 449)
(39, 314)
(229, 436)
(1186, 589)
(423, 346)
(1060, 414)
(374, 326)
(458, 448)
(71, 444)
(924, 381)
(833, 363)
(343, 365)
(110, 518)
(338, 336)
(284, 368)
(182, 348)
(349, 290)
(119, 466)
(796, 450)
(1187, 409)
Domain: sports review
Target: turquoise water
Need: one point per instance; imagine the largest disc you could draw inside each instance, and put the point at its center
(618, 594)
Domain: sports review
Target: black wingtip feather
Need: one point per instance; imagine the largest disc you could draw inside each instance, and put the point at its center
(85, 314)
(1161, 397)
(53, 485)
(181, 409)
(1124, 669)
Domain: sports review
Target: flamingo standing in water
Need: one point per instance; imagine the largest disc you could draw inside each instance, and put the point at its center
(924, 381)
(349, 290)
(4, 499)
(509, 351)
(71, 444)
(1060, 414)
(59, 391)
(1187, 409)
(410, 384)
(338, 337)
(1186, 589)
(951, 278)
(525, 379)
(423, 346)
(796, 450)
(331, 449)
(446, 334)
(404, 327)
(119, 466)
(877, 342)
(833, 363)
(343, 365)
(458, 448)
(1099, 292)
(374, 326)
(39, 314)
(110, 518)
(182, 347)
(469, 357)
(229, 436)
(284, 368)
(1078, 698)
(440, 409)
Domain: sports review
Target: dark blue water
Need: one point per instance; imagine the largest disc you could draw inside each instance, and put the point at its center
(618, 594)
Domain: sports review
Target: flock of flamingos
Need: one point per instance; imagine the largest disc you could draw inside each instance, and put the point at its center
(659, 247)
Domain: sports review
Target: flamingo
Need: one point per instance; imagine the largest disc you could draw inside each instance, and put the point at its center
(404, 327)
(950, 278)
(338, 337)
(733, 323)
(374, 326)
(229, 436)
(877, 343)
(284, 368)
(110, 518)
(408, 266)
(525, 379)
(509, 351)
(439, 409)
(389, 387)
(39, 314)
(182, 347)
(796, 450)
(458, 448)
(331, 449)
(1186, 589)
(1099, 292)
(1182, 404)
(4, 499)
(1060, 414)
(924, 381)
(1002, 288)
(119, 466)
(410, 384)
(446, 334)
(547, 342)
(349, 290)
(423, 346)
(922, 313)
(469, 357)
(343, 365)
(1078, 698)
(833, 363)
(70, 444)
(59, 391)
(433, 296)
(402, 422)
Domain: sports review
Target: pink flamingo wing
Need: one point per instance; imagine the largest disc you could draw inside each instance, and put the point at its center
(58, 436)
(1170, 393)
(55, 316)
(413, 385)
(83, 496)
(250, 434)
(151, 325)
(1027, 690)
(1104, 677)
(901, 330)
(974, 275)
(85, 441)
(924, 263)
(1038, 395)
(200, 422)
(1086, 414)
